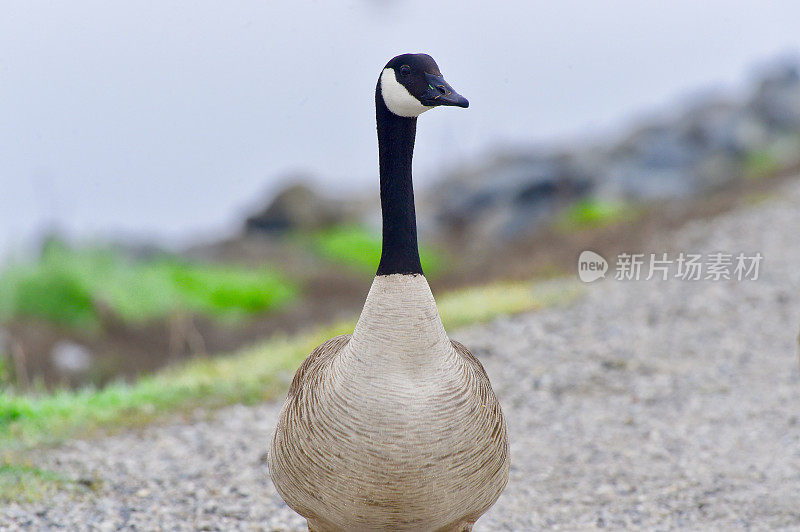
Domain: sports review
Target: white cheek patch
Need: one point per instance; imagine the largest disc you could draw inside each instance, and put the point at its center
(397, 98)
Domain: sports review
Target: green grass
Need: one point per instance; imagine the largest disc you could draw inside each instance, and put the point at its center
(355, 247)
(591, 212)
(760, 164)
(252, 375)
(70, 287)
(25, 482)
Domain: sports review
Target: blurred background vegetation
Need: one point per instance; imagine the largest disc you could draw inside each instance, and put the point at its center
(74, 287)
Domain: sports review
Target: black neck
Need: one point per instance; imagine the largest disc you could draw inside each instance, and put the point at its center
(396, 149)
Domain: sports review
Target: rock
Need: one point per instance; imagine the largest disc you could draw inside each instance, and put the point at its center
(632, 181)
(510, 195)
(660, 145)
(716, 170)
(691, 154)
(785, 150)
(777, 99)
(297, 207)
(70, 358)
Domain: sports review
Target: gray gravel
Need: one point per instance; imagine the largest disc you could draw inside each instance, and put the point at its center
(645, 405)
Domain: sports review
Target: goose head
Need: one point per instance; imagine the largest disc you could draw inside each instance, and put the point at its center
(411, 84)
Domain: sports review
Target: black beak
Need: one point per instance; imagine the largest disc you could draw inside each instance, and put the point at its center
(441, 93)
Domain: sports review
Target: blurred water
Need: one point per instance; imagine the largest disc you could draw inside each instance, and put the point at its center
(163, 120)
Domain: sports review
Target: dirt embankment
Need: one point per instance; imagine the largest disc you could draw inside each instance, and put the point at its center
(330, 292)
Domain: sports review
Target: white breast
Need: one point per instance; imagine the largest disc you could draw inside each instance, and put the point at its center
(399, 327)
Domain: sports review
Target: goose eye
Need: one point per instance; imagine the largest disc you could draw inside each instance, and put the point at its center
(405, 70)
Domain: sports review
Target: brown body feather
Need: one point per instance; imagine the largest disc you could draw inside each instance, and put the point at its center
(394, 427)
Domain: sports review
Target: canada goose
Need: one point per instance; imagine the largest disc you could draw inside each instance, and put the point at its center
(394, 427)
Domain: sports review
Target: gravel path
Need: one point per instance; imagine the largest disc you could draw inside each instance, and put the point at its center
(646, 405)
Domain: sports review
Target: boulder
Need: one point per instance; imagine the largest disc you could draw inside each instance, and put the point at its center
(777, 99)
(510, 195)
(297, 207)
(70, 359)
